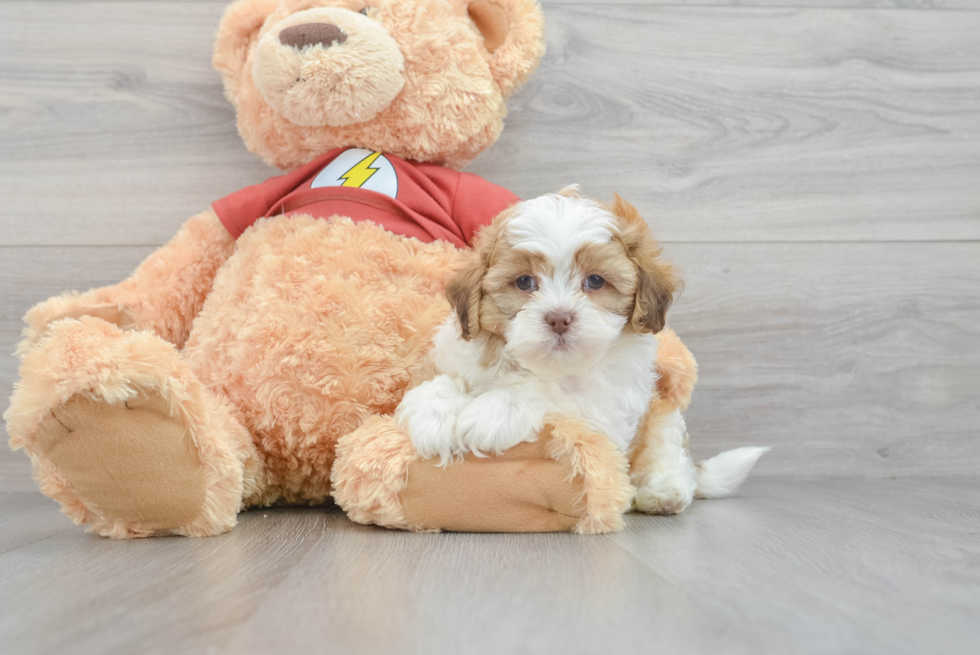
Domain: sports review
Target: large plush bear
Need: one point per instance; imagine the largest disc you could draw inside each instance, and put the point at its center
(256, 358)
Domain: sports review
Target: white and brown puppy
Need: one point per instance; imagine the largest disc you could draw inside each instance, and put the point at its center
(555, 315)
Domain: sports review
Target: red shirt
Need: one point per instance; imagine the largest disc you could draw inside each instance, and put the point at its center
(425, 201)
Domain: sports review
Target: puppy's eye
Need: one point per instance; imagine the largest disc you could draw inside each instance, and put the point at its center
(365, 11)
(526, 283)
(594, 282)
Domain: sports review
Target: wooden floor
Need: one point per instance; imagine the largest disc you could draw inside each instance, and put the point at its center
(813, 166)
(849, 566)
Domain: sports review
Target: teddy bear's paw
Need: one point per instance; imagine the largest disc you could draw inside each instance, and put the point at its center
(669, 492)
(71, 306)
(132, 464)
(124, 437)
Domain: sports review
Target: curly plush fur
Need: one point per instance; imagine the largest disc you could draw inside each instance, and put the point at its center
(452, 105)
(94, 360)
(272, 352)
(311, 328)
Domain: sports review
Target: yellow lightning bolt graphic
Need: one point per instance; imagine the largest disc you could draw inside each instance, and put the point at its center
(361, 172)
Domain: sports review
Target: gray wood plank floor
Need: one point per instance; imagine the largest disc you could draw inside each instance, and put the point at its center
(814, 168)
(855, 566)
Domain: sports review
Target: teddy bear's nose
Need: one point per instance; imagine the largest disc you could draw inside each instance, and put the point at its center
(307, 34)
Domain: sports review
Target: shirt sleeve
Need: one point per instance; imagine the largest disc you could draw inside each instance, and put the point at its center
(477, 202)
(241, 209)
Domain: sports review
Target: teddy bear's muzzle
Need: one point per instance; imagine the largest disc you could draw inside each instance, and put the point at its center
(328, 67)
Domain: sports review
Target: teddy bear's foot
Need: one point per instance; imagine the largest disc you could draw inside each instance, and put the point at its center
(568, 480)
(125, 438)
(129, 463)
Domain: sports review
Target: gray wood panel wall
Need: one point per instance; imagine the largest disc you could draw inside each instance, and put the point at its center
(813, 166)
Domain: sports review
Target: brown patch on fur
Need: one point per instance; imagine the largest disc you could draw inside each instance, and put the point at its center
(611, 262)
(502, 299)
(656, 280)
(646, 445)
(677, 368)
(465, 291)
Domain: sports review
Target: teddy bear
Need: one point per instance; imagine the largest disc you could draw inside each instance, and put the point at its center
(256, 358)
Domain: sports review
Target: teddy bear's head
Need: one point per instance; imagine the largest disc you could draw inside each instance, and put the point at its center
(421, 79)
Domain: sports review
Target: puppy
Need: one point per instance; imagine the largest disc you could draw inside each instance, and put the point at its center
(555, 314)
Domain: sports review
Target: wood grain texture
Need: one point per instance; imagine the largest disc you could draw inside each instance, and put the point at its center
(836, 4)
(829, 566)
(854, 359)
(120, 133)
(733, 123)
(756, 124)
(26, 518)
(848, 359)
(967, 5)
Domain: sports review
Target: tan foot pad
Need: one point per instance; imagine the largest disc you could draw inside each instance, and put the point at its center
(521, 490)
(129, 462)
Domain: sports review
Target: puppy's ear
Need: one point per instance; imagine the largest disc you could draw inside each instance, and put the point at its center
(656, 281)
(464, 293)
(465, 290)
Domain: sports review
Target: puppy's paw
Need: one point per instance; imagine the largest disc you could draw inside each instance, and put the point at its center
(495, 421)
(669, 492)
(429, 413)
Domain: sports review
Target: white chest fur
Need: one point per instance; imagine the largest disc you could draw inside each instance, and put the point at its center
(611, 399)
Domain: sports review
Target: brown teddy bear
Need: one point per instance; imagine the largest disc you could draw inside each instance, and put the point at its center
(255, 359)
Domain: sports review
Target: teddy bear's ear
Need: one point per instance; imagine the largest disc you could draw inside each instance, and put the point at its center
(513, 33)
(238, 29)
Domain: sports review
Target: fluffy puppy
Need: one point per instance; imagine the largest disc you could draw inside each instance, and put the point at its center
(555, 314)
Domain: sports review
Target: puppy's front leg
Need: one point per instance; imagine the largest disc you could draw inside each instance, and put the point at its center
(500, 419)
(428, 413)
(661, 468)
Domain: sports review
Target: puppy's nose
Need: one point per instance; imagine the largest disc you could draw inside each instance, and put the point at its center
(307, 34)
(559, 321)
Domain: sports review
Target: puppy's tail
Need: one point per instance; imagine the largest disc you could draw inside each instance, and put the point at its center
(723, 473)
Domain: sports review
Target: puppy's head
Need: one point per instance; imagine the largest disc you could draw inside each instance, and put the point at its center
(559, 278)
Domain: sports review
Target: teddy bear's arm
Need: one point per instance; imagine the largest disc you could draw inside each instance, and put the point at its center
(569, 479)
(163, 295)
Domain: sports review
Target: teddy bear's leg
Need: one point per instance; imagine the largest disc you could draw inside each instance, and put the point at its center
(163, 295)
(570, 479)
(123, 435)
(660, 463)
